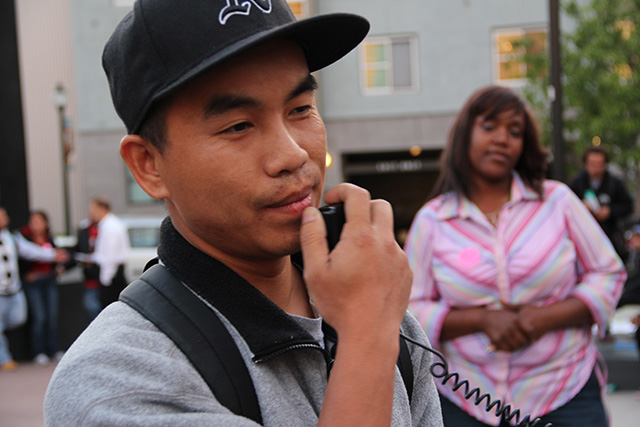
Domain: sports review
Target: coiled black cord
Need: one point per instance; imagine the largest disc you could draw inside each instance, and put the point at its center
(441, 370)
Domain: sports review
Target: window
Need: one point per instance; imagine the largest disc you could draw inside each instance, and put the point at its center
(509, 46)
(300, 8)
(144, 237)
(389, 65)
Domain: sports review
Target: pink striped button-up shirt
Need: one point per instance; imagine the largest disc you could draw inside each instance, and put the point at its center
(540, 252)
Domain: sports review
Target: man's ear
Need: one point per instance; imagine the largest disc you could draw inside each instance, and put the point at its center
(143, 159)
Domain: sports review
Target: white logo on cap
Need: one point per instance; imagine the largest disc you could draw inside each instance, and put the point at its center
(240, 7)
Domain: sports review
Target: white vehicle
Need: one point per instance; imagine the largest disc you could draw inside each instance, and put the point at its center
(144, 236)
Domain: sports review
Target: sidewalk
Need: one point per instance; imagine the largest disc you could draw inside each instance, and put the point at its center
(22, 394)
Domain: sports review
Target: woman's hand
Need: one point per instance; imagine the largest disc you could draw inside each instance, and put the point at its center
(505, 330)
(535, 321)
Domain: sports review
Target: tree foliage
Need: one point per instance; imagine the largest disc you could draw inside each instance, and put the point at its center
(600, 60)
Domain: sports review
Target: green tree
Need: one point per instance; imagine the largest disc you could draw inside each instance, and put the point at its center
(601, 81)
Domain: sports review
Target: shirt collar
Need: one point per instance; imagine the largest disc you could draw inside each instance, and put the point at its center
(265, 327)
(458, 206)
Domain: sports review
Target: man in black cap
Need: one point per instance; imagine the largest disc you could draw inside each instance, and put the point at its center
(218, 101)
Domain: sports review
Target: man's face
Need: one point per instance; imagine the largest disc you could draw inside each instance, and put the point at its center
(245, 155)
(595, 164)
(634, 241)
(94, 212)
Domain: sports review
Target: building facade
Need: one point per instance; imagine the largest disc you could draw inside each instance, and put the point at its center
(388, 105)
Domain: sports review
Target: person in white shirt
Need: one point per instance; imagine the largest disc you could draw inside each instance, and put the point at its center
(13, 303)
(111, 250)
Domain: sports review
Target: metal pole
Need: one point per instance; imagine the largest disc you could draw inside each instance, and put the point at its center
(556, 84)
(65, 178)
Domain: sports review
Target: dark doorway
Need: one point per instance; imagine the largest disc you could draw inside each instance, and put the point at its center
(403, 179)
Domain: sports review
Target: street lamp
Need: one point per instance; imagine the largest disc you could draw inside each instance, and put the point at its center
(60, 101)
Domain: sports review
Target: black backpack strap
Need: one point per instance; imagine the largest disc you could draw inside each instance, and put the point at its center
(200, 335)
(406, 367)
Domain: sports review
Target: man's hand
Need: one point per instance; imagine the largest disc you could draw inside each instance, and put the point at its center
(62, 256)
(603, 213)
(366, 280)
(361, 289)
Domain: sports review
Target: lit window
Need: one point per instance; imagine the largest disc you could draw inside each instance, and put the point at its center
(300, 8)
(509, 46)
(389, 65)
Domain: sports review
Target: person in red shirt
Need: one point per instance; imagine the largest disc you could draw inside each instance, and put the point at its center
(39, 281)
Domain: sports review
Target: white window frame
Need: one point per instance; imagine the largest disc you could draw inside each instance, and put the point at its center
(388, 41)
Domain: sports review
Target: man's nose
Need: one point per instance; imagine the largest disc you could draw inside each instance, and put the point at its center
(285, 154)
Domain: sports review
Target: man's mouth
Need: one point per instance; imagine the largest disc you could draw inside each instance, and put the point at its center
(294, 203)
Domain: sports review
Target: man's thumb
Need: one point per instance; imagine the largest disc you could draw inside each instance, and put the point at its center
(313, 238)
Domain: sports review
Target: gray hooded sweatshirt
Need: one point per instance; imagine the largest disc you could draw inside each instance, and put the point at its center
(123, 371)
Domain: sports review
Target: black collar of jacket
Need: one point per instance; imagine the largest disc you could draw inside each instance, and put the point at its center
(266, 328)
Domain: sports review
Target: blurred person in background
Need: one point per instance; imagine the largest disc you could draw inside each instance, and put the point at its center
(111, 250)
(510, 272)
(605, 195)
(13, 304)
(631, 291)
(41, 289)
(87, 236)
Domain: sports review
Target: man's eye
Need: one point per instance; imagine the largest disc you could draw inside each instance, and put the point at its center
(240, 127)
(301, 110)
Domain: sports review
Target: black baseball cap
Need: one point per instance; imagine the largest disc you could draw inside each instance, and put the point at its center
(163, 44)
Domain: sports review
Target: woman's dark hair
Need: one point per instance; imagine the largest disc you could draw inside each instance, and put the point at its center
(490, 101)
(42, 214)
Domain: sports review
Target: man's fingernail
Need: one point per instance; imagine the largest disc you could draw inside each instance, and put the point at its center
(308, 215)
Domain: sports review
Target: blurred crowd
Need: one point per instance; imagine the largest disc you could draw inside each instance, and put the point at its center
(31, 263)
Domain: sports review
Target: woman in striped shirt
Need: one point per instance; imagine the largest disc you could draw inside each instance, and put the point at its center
(510, 273)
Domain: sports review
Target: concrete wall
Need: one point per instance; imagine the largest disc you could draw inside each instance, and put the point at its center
(455, 57)
(455, 52)
(62, 40)
(46, 51)
(99, 127)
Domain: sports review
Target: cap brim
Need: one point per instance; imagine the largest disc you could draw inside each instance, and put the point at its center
(324, 38)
